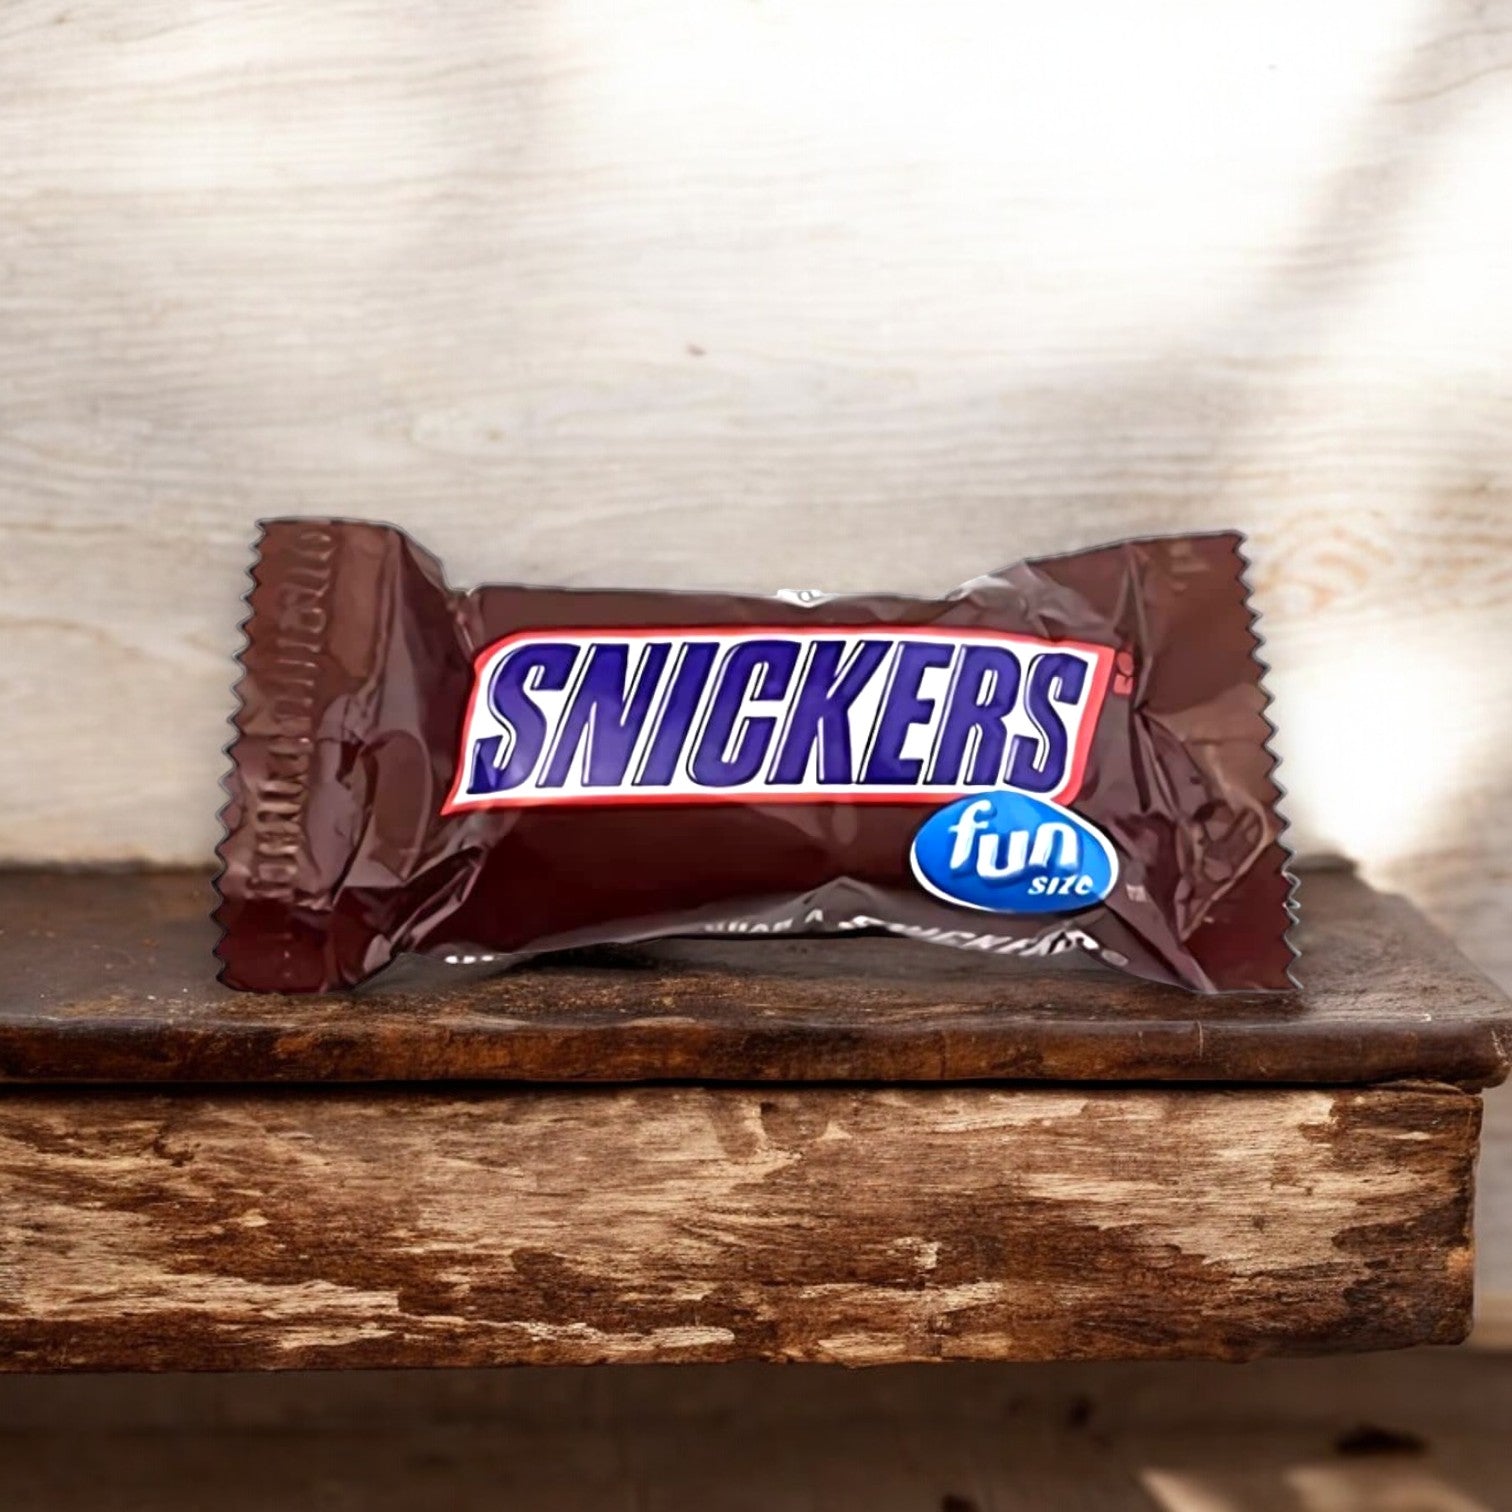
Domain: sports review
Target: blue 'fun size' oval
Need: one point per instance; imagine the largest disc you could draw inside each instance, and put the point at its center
(1010, 852)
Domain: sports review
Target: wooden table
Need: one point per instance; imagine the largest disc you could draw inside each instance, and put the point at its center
(861, 1151)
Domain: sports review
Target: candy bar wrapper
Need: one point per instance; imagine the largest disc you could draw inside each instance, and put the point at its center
(1069, 753)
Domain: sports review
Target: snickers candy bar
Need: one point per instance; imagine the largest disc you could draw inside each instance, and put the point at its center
(1066, 754)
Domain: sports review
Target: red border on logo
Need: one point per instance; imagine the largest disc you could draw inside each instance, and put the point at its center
(1102, 672)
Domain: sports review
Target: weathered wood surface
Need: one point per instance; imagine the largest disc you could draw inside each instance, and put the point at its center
(842, 294)
(108, 978)
(860, 1226)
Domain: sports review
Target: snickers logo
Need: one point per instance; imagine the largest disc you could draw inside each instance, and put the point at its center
(776, 715)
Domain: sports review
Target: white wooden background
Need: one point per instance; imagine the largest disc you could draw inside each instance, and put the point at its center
(843, 293)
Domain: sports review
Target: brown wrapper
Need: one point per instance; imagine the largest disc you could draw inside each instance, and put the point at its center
(1068, 753)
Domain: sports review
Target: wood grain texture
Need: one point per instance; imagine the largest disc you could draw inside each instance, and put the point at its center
(860, 1226)
(108, 978)
(827, 294)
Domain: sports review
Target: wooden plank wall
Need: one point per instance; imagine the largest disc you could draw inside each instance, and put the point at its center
(763, 292)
